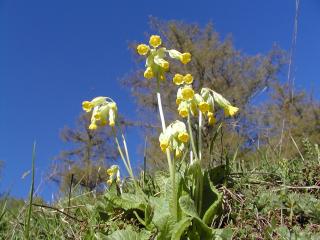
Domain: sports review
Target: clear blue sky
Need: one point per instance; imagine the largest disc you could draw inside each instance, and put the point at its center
(54, 54)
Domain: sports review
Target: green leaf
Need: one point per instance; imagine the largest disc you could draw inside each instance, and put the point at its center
(180, 228)
(214, 208)
(128, 201)
(223, 234)
(165, 225)
(187, 206)
(127, 234)
(204, 231)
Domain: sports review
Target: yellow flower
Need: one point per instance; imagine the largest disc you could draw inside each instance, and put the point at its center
(183, 109)
(97, 116)
(87, 106)
(118, 179)
(165, 65)
(187, 93)
(143, 49)
(178, 79)
(178, 101)
(203, 107)
(185, 57)
(109, 181)
(211, 120)
(113, 105)
(112, 113)
(112, 117)
(113, 170)
(183, 137)
(155, 41)
(93, 126)
(210, 114)
(148, 74)
(230, 110)
(164, 143)
(188, 79)
(162, 77)
(103, 122)
(183, 112)
(178, 153)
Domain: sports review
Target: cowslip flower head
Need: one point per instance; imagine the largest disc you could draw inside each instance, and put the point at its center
(230, 110)
(203, 107)
(89, 105)
(188, 78)
(211, 118)
(183, 137)
(155, 41)
(156, 63)
(187, 92)
(183, 109)
(183, 57)
(103, 111)
(178, 79)
(143, 49)
(148, 73)
(174, 138)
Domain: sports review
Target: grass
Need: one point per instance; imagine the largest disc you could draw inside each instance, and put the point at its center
(277, 200)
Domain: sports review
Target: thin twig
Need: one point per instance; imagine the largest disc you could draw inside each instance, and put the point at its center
(58, 210)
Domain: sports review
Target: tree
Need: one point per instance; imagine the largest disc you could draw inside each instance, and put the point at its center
(215, 64)
(86, 163)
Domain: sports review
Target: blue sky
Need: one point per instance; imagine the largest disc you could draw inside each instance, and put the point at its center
(54, 54)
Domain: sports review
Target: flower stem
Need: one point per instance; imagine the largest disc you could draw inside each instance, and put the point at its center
(170, 163)
(129, 170)
(191, 138)
(200, 177)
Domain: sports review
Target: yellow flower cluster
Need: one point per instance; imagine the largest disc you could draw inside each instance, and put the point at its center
(179, 79)
(190, 102)
(156, 65)
(114, 174)
(103, 112)
(229, 110)
(174, 138)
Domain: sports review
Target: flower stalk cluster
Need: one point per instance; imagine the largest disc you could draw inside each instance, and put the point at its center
(190, 102)
(104, 111)
(156, 63)
(114, 174)
(174, 138)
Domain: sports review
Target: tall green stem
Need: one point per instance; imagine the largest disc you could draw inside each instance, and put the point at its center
(171, 164)
(200, 177)
(191, 138)
(121, 154)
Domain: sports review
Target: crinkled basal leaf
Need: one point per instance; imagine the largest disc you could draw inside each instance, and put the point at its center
(215, 206)
(180, 228)
(128, 234)
(164, 183)
(128, 201)
(187, 206)
(222, 234)
(165, 224)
